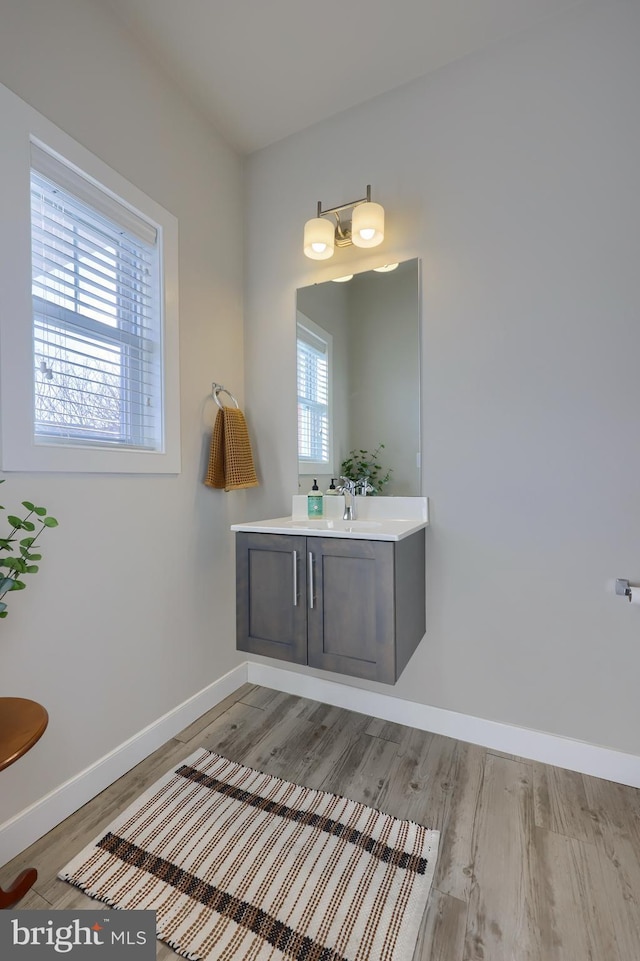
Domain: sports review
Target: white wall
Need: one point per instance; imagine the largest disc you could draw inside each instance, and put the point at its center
(513, 174)
(132, 611)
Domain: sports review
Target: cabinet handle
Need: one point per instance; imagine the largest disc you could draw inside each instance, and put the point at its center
(295, 578)
(311, 603)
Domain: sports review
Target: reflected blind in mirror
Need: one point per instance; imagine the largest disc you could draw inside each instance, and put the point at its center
(313, 375)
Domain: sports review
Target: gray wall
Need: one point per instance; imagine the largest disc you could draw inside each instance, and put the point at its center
(385, 373)
(513, 174)
(132, 611)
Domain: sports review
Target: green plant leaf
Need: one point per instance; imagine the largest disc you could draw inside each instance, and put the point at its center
(21, 559)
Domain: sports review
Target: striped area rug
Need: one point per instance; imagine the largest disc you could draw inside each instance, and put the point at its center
(242, 866)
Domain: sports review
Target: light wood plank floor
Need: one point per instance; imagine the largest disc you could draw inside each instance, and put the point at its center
(536, 863)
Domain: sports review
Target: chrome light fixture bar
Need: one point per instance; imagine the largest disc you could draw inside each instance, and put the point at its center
(364, 228)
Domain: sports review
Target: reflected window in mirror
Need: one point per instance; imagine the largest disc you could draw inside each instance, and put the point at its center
(314, 377)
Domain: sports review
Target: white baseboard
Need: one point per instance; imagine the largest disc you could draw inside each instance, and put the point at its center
(29, 825)
(564, 752)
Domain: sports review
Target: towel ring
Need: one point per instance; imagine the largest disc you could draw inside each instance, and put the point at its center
(219, 389)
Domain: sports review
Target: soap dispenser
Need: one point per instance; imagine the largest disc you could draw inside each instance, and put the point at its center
(315, 501)
(332, 487)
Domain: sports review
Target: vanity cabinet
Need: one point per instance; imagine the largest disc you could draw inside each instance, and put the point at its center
(353, 606)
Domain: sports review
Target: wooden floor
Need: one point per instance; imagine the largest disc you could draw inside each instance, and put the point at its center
(536, 863)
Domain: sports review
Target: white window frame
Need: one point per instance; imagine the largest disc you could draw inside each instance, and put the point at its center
(23, 126)
(308, 467)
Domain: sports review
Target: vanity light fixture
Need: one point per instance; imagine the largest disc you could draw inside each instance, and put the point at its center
(342, 280)
(386, 268)
(363, 228)
(318, 239)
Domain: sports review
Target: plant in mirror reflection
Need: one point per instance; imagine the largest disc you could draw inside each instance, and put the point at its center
(22, 556)
(361, 464)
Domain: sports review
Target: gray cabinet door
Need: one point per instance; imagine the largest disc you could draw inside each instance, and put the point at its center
(351, 615)
(355, 607)
(271, 611)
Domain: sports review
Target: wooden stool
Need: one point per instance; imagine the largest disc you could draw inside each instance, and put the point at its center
(22, 723)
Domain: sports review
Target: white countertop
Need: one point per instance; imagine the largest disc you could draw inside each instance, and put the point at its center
(378, 519)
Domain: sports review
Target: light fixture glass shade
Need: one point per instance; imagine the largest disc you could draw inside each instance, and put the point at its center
(367, 225)
(319, 238)
(342, 280)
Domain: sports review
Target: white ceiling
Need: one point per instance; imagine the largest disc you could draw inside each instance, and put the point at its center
(264, 69)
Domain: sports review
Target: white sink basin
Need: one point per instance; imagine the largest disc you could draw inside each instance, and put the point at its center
(383, 519)
(334, 524)
(386, 529)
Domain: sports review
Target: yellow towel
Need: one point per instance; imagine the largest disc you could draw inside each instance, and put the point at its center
(230, 458)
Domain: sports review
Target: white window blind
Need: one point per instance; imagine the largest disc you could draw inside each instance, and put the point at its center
(96, 314)
(313, 368)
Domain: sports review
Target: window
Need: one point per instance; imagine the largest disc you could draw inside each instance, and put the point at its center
(314, 398)
(96, 317)
(89, 366)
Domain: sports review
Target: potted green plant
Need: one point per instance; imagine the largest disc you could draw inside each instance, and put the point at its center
(361, 464)
(22, 557)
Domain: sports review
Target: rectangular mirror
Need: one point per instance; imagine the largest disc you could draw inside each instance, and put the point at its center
(358, 378)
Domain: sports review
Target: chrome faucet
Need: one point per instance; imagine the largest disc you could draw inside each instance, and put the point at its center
(349, 489)
(363, 487)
